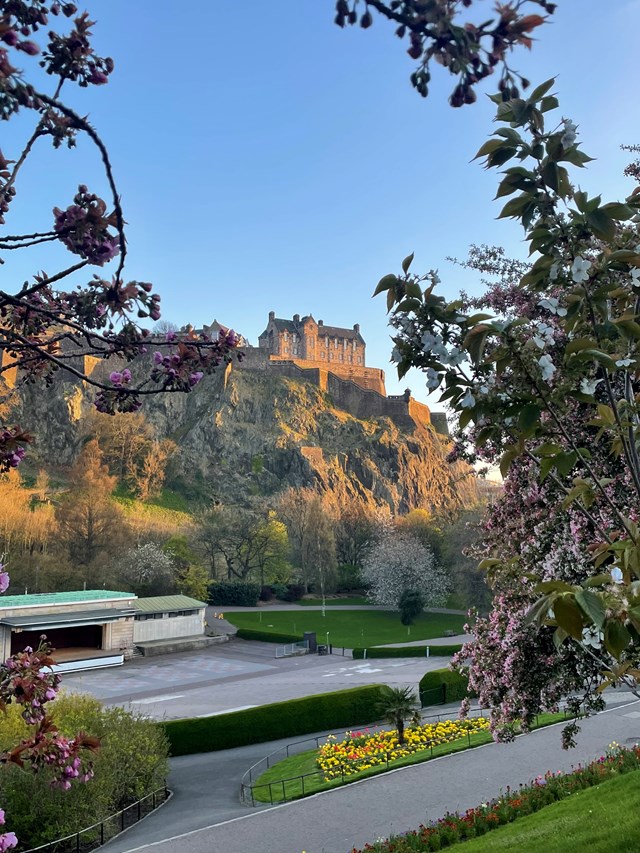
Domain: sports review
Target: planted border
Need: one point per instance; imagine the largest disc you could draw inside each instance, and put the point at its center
(354, 707)
(267, 636)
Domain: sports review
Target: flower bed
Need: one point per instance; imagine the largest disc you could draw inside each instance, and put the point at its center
(362, 750)
(542, 791)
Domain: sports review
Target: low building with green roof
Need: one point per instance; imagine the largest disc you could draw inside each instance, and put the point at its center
(99, 627)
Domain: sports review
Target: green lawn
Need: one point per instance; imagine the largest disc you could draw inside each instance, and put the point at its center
(334, 602)
(349, 628)
(284, 783)
(603, 819)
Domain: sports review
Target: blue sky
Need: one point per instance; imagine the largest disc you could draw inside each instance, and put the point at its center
(268, 160)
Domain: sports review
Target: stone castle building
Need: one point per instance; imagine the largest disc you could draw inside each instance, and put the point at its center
(309, 343)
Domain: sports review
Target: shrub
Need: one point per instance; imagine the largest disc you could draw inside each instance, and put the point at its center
(237, 593)
(131, 762)
(294, 592)
(279, 590)
(353, 707)
(411, 604)
(443, 685)
(406, 651)
(266, 593)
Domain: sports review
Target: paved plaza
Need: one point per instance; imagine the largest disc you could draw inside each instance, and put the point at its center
(234, 675)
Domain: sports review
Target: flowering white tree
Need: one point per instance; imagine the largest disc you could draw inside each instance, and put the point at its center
(398, 562)
(148, 570)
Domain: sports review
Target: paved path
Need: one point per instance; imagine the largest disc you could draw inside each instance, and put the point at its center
(335, 821)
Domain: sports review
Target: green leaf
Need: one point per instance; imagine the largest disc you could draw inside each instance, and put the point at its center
(407, 263)
(617, 210)
(489, 147)
(565, 462)
(547, 449)
(616, 637)
(578, 344)
(515, 207)
(559, 636)
(601, 224)
(541, 90)
(549, 103)
(412, 288)
(386, 283)
(554, 586)
(597, 580)
(568, 616)
(507, 458)
(592, 605)
(529, 417)
(475, 341)
(546, 466)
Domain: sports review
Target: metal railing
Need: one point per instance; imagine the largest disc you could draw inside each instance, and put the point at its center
(277, 791)
(99, 833)
(291, 649)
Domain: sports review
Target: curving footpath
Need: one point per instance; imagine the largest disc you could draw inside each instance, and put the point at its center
(336, 821)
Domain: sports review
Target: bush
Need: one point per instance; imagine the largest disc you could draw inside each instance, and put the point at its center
(266, 593)
(411, 604)
(236, 593)
(406, 651)
(294, 592)
(131, 762)
(265, 636)
(279, 590)
(443, 685)
(353, 707)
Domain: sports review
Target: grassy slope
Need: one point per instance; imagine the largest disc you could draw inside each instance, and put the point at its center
(305, 763)
(345, 601)
(604, 819)
(349, 628)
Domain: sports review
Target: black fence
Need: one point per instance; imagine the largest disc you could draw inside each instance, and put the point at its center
(90, 837)
(295, 787)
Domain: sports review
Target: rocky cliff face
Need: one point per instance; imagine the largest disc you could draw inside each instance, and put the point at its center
(247, 433)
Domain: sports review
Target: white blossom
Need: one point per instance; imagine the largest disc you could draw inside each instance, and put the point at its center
(453, 356)
(580, 269)
(592, 637)
(616, 575)
(546, 366)
(397, 562)
(433, 378)
(543, 335)
(635, 275)
(468, 401)
(588, 386)
(569, 134)
(552, 306)
(429, 341)
(624, 362)
(553, 271)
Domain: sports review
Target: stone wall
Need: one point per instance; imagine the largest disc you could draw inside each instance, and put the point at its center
(350, 395)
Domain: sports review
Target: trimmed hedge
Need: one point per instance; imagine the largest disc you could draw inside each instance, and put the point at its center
(236, 593)
(266, 636)
(354, 707)
(441, 686)
(406, 651)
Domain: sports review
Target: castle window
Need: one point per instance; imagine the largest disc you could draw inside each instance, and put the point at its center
(341, 357)
(295, 350)
(326, 342)
(322, 354)
(350, 359)
(354, 344)
(336, 343)
(359, 360)
(286, 350)
(284, 336)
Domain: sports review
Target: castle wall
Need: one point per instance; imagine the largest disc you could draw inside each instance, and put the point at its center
(347, 394)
